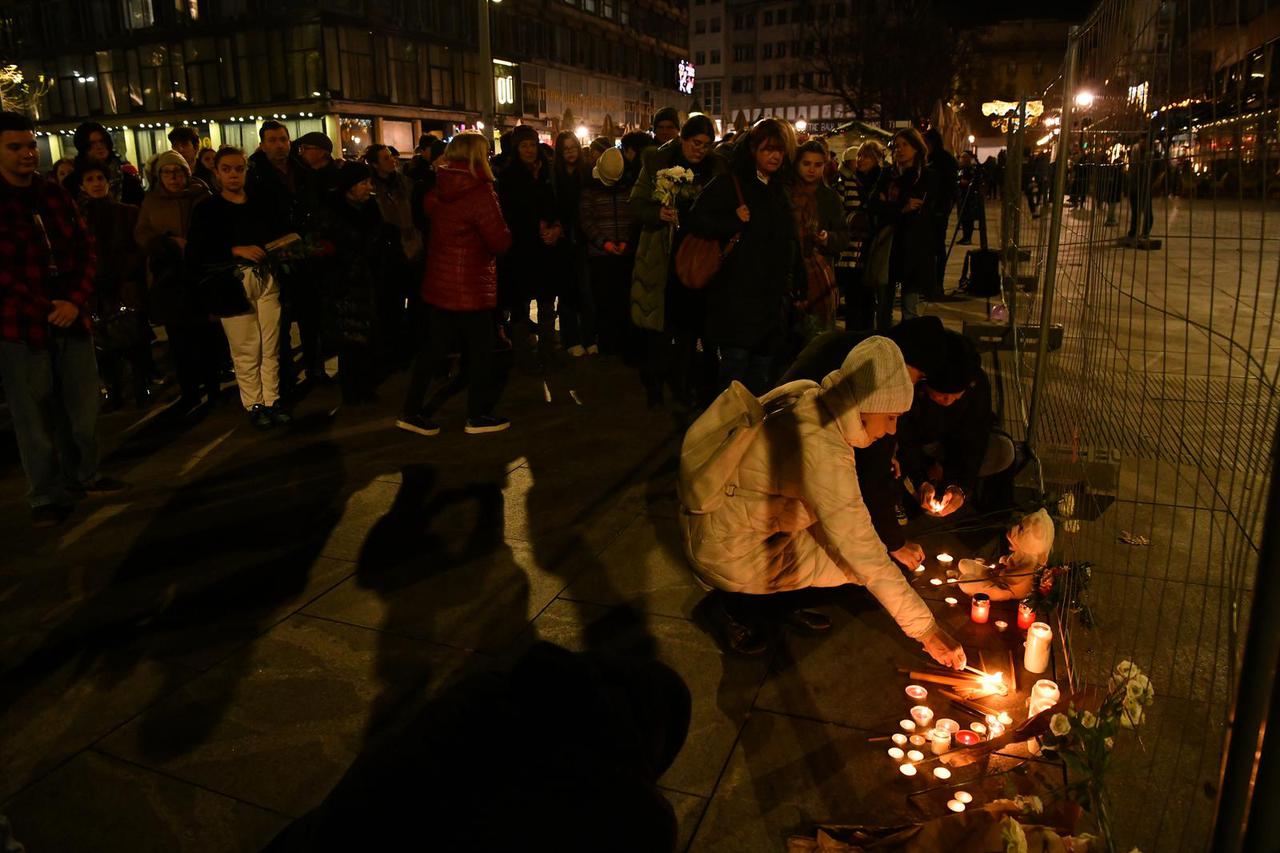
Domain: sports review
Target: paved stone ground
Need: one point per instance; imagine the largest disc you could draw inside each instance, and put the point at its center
(200, 659)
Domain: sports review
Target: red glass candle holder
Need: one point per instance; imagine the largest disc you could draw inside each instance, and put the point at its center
(980, 609)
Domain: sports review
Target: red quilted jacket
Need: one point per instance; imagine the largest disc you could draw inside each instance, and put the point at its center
(467, 235)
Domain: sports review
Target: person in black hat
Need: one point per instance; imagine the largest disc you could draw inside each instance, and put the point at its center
(948, 443)
(923, 341)
(366, 252)
(666, 125)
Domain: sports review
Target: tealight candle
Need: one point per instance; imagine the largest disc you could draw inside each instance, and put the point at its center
(941, 773)
(980, 611)
(1001, 625)
(968, 737)
(948, 726)
(917, 740)
(955, 805)
(964, 797)
(936, 581)
(1026, 615)
(976, 728)
(946, 559)
(1039, 641)
(915, 755)
(907, 769)
(1004, 718)
(896, 753)
(916, 692)
(922, 714)
(939, 741)
(951, 600)
(907, 725)
(899, 738)
(920, 568)
(995, 730)
(953, 580)
(1044, 695)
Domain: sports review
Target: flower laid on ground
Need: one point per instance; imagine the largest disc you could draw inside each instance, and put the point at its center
(1060, 725)
(1013, 836)
(1031, 803)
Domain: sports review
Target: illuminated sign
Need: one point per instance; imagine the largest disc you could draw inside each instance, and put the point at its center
(506, 87)
(685, 75)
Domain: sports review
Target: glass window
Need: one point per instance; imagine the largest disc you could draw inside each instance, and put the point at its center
(403, 55)
(766, 83)
(715, 24)
(700, 57)
(699, 27)
(768, 18)
(138, 14)
(782, 16)
(355, 52)
(715, 57)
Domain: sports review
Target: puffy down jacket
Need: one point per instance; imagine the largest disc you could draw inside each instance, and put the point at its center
(467, 235)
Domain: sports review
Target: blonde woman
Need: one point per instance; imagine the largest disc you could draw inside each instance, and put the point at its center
(460, 286)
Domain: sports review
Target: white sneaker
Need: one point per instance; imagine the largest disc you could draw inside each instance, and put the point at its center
(577, 351)
(593, 350)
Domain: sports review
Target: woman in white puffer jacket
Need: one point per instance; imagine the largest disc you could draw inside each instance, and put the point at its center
(793, 516)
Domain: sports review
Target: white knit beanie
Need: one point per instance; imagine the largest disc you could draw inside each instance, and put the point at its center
(879, 379)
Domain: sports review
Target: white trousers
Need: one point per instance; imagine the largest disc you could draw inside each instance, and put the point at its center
(255, 341)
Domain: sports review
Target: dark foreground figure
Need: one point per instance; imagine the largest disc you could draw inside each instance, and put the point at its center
(560, 752)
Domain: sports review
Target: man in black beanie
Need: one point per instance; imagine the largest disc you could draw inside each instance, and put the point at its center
(948, 442)
(666, 125)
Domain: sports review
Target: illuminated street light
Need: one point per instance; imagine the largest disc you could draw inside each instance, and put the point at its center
(582, 132)
(972, 139)
(480, 124)
(802, 125)
(1084, 99)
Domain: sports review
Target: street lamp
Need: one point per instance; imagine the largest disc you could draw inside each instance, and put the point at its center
(1084, 99)
(802, 125)
(582, 133)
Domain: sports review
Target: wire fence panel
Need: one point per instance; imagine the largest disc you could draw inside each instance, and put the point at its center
(1157, 414)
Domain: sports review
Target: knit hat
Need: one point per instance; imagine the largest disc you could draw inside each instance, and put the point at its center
(317, 139)
(923, 343)
(959, 368)
(876, 376)
(670, 114)
(162, 160)
(850, 154)
(609, 168)
(522, 133)
(350, 174)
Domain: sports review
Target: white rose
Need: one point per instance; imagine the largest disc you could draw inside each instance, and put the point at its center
(1060, 725)
(1013, 836)
(1125, 668)
(1088, 719)
(1131, 715)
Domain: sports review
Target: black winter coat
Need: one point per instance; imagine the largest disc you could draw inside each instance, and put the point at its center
(963, 429)
(366, 249)
(527, 202)
(912, 259)
(749, 300)
(216, 226)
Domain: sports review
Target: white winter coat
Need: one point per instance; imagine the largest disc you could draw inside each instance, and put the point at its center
(794, 517)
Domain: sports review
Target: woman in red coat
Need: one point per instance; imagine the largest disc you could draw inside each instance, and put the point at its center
(460, 287)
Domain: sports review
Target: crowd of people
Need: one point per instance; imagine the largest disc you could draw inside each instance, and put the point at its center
(551, 251)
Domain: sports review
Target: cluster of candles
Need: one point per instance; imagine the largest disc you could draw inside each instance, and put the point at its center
(939, 735)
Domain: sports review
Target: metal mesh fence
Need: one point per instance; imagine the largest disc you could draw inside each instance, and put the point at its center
(1154, 420)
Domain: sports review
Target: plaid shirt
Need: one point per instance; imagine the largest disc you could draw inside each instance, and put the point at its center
(46, 253)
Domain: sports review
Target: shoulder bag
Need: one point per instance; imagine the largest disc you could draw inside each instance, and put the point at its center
(699, 258)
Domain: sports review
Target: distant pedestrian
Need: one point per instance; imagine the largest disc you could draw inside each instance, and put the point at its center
(863, 301)
(823, 233)
(460, 287)
(945, 169)
(394, 193)
(903, 202)
(666, 125)
(971, 194)
(610, 232)
(186, 142)
(570, 172)
(203, 170)
(47, 265)
(94, 143)
(62, 169)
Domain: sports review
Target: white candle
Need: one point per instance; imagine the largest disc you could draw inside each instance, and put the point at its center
(948, 726)
(1004, 718)
(920, 568)
(915, 755)
(917, 740)
(946, 559)
(939, 741)
(1039, 642)
(896, 753)
(900, 739)
(936, 581)
(922, 714)
(978, 729)
(955, 805)
(951, 600)
(941, 773)
(907, 725)
(964, 797)
(1044, 695)
(916, 692)
(907, 769)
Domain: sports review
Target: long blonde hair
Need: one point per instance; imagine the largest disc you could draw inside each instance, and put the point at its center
(472, 148)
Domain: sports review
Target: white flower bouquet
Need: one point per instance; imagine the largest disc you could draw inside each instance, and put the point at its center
(674, 184)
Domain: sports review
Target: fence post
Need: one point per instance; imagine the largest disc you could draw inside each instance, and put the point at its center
(1249, 787)
(1055, 230)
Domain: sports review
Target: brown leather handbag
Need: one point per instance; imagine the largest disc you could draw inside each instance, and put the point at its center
(699, 258)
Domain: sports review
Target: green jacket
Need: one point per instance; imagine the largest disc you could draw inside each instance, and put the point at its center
(653, 252)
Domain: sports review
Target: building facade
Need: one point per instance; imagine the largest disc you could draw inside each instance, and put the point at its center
(357, 70)
(751, 57)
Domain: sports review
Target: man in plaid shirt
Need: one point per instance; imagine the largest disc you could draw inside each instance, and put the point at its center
(47, 363)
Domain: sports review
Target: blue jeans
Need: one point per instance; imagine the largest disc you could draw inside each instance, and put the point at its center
(53, 397)
(752, 369)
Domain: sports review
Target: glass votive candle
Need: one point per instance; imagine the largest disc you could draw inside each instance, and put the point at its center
(949, 726)
(968, 737)
(1026, 615)
(899, 739)
(922, 714)
(964, 797)
(939, 741)
(915, 755)
(980, 609)
(896, 753)
(995, 730)
(1004, 718)
(955, 805)
(976, 728)
(907, 769)
(941, 773)
(907, 725)
(1044, 695)
(916, 692)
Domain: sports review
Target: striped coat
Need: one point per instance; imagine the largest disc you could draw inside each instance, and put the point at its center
(855, 189)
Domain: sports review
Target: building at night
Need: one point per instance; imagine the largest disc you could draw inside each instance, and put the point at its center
(357, 70)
